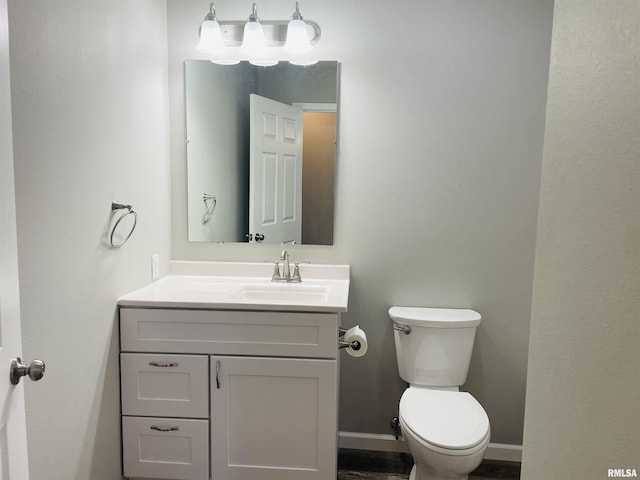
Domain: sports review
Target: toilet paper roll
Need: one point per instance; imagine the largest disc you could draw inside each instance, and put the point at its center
(356, 334)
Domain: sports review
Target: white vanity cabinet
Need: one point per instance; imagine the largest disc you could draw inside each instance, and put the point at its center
(228, 394)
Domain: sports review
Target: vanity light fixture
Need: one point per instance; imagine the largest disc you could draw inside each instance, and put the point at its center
(261, 42)
(211, 40)
(297, 43)
(210, 33)
(297, 38)
(253, 42)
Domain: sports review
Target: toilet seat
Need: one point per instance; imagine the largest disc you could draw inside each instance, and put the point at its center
(446, 420)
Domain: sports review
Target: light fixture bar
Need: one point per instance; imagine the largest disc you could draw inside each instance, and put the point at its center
(275, 32)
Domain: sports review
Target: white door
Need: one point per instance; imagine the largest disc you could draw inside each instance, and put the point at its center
(275, 178)
(13, 437)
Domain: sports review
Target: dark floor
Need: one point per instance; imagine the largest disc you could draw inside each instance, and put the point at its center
(366, 464)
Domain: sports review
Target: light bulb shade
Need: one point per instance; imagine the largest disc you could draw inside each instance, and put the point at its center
(263, 63)
(210, 37)
(225, 61)
(297, 38)
(253, 43)
(303, 63)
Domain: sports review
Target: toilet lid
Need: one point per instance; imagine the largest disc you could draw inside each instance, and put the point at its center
(453, 420)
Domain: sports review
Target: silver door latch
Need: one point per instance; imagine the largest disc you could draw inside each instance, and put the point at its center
(35, 370)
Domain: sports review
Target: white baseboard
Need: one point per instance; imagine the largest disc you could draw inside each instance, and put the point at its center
(371, 441)
(504, 452)
(388, 443)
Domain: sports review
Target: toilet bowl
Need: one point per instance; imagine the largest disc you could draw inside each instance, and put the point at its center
(447, 432)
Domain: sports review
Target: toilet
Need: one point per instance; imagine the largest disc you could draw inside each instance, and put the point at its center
(447, 431)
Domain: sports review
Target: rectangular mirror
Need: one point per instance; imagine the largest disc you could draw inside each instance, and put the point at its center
(261, 152)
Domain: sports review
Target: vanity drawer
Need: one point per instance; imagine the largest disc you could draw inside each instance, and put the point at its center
(165, 385)
(165, 448)
(229, 332)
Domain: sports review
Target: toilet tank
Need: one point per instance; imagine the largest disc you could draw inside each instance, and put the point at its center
(437, 351)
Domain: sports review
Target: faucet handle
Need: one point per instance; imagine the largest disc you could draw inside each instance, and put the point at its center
(296, 273)
(276, 271)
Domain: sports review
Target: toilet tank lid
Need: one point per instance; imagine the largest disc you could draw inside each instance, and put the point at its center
(435, 317)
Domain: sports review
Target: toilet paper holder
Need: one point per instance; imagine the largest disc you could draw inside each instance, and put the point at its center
(355, 345)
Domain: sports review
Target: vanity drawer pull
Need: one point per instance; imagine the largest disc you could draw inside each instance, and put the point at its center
(164, 428)
(163, 364)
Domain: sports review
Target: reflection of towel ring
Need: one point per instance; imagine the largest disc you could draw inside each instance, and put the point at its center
(209, 206)
(129, 211)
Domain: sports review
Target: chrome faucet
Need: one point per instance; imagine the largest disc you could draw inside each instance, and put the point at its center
(286, 275)
(286, 268)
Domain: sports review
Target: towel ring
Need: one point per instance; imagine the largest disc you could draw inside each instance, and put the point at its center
(129, 211)
(209, 206)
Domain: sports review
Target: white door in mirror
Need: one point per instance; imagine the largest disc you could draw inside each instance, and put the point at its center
(275, 180)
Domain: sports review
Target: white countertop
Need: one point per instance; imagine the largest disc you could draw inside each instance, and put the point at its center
(245, 286)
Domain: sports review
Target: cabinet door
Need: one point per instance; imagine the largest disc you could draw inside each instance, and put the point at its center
(273, 418)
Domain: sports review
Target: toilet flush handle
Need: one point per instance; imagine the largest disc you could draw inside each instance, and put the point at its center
(406, 329)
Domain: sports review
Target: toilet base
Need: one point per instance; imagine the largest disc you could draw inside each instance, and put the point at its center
(427, 476)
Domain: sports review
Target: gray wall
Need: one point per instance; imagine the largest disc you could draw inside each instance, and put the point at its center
(89, 93)
(290, 83)
(218, 150)
(442, 107)
(583, 389)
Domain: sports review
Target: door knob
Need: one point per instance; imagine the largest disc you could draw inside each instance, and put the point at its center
(35, 370)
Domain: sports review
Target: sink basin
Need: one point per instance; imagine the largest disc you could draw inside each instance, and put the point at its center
(285, 293)
(245, 286)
